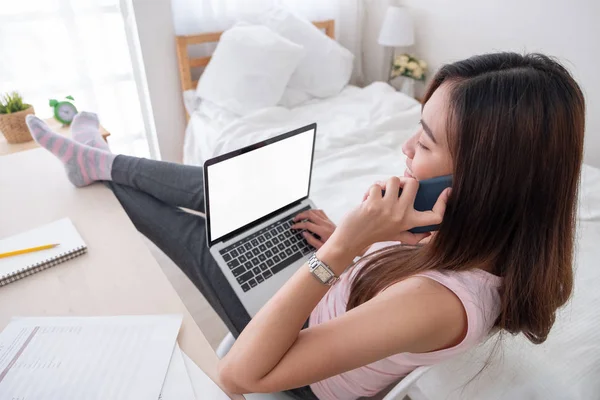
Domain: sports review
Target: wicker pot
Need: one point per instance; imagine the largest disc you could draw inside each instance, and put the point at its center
(13, 126)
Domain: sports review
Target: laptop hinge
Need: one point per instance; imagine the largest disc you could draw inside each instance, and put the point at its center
(259, 221)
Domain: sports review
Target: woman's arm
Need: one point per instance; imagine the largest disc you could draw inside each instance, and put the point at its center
(273, 354)
(275, 329)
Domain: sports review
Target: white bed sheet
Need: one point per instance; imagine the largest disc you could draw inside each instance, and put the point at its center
(359, 138)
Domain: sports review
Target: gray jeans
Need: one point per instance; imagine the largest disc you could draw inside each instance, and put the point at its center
(151, 193)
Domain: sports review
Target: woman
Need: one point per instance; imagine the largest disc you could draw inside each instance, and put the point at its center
(510, 130)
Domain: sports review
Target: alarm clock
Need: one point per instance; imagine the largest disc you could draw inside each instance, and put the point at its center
(64, 111)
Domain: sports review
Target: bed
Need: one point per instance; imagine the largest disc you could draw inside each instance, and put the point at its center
(360, 132)
(359, 138)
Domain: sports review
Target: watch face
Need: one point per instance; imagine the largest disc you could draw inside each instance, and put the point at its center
(66, 111)
(322, 273)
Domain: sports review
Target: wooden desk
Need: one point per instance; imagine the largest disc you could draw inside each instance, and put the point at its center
(9, 148)
(118, 275)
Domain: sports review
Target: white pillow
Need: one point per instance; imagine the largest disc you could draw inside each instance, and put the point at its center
(249, 69)
(326, 67)
(293, 98)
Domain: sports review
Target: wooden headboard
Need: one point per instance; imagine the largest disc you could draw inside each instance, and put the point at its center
(186, 63)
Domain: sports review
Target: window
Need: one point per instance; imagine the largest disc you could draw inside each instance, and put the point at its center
(54, 48)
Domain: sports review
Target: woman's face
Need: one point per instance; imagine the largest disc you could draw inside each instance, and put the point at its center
(427, 151)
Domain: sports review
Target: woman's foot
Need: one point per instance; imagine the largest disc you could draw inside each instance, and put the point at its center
(84, 164)
(85, 129)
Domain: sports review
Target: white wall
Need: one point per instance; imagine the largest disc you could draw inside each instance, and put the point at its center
(157, 41)
(376, 58)
(447, 31)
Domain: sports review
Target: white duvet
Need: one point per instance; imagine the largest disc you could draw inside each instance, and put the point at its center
(359, 138)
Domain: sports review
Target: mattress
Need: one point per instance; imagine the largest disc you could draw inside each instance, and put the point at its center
(359, 138)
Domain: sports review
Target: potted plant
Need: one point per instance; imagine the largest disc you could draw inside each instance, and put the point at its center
(12, 118)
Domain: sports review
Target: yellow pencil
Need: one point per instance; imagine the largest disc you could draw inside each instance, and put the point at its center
(30, 250)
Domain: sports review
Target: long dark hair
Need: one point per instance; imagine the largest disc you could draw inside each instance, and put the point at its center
(515, 128)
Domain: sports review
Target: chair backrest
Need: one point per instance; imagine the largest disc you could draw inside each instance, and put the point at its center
(402, 387)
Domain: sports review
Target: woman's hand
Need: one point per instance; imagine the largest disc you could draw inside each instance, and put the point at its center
(387, 218)
(315, 222)
(380, 183)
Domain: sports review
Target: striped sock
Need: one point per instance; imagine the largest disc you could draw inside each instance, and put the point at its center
(84, 164)
(85, 129)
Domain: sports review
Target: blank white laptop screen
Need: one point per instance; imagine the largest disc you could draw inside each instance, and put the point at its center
(249, 186)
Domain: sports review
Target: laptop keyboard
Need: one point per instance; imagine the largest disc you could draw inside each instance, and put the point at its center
(259, 256)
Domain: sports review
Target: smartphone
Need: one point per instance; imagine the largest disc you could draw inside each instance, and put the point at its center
(427, 195)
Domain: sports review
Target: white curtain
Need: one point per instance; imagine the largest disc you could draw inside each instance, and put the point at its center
(54, 48)
(196, 16)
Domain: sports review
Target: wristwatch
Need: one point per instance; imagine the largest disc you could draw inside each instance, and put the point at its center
(321, 271)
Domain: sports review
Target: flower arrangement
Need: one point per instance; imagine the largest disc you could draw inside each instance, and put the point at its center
(409, 66)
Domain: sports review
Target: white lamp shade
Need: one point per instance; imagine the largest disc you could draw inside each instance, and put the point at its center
(397, 29)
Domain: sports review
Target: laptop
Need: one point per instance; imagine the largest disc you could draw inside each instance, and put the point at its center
(252, 195)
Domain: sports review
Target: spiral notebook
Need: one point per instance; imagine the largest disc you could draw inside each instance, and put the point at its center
(63, 232)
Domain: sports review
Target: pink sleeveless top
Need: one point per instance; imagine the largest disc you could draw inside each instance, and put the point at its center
(476, 289)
